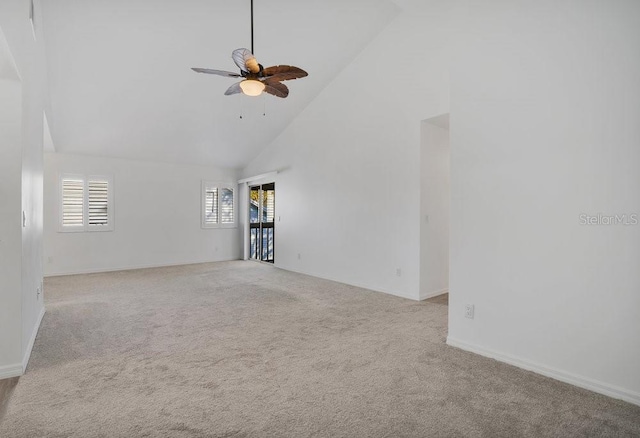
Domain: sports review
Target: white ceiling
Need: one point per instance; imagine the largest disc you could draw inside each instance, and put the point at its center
(121, 85)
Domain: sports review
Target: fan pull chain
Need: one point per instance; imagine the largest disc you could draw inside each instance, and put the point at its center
(241, 107)
(264, 105)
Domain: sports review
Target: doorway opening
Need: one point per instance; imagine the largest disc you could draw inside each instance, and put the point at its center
(262, 209)
(435, 173)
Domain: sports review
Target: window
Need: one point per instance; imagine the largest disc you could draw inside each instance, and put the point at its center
(218, 205)
(86, 203)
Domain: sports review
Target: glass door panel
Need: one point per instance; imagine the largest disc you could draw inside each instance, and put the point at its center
(262, 222)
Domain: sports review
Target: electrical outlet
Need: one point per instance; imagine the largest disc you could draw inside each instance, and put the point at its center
(468, 311)
(398, 272)
(299, 256)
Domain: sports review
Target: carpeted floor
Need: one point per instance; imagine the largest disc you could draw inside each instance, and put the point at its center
(240, 349)
(6, 389)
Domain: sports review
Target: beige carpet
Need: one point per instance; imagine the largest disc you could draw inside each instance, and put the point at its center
(240, 349)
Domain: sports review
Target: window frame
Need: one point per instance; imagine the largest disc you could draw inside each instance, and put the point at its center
(219, 186)
(86, 227)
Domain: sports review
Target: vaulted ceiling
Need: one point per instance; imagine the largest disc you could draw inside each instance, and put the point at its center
(121, 85)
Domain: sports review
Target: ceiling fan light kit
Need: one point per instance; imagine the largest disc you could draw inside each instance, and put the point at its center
(256, 78)
(251, 87)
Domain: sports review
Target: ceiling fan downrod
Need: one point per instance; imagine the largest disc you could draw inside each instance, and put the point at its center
(252, 51)
(253, 77)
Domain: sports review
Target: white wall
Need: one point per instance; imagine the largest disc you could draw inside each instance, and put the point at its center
(348, 193)
(434, 207)
(10, 211)
(157, 209)
(22, 148)
(544, 114)
(34, 102)
(545, 105)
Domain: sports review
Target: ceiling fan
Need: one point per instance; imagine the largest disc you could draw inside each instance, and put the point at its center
(256, 78)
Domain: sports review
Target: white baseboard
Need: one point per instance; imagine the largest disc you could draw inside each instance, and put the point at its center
(355, 284)
(131, 267)
(563, 376)
(32, 340)
(427, 295)
(18, 369)
(8, 371)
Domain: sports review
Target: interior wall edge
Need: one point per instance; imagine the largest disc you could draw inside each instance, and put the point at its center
(350, 283)
(427, 295)
(9, 371)
(563, 376)
(134, 267)
(8, 67)
(32, 340)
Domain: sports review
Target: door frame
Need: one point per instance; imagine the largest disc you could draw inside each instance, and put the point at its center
(260, 225)
(244, 186)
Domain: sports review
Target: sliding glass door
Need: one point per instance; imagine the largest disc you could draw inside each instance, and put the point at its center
(262, 205)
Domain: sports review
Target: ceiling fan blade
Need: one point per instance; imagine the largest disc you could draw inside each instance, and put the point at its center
(234, 89)
(276, 88)
(245, 60)
(284, 72)
(217, 72)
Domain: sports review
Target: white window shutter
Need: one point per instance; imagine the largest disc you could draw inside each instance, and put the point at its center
(226, 206)
(86, 203)
(269, 205)
(218, 205)
(98, 214)
(211, 206)
(72, 202)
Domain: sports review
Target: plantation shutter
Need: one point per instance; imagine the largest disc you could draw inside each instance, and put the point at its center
(269, 205)
(211, 206)
(226, 207)
(98, 203)
(218, 205)
(72, 202)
